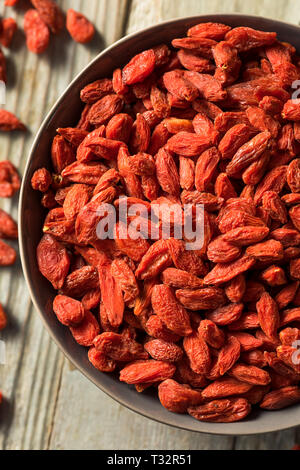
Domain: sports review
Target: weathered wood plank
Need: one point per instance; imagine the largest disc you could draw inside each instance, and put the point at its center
(31, 377)
(49, 405)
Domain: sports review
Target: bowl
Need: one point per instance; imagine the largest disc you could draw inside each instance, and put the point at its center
(31, 216)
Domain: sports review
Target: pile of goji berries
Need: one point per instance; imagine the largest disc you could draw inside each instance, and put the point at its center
(209, 121)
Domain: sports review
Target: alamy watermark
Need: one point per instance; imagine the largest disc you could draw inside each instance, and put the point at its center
(161, 221)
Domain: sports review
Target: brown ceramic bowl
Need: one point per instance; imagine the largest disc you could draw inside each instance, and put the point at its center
(31, 215)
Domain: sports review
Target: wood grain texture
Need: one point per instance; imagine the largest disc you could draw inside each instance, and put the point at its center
(147, 12)
(49, 405)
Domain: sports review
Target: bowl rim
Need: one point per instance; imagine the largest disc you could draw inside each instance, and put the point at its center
(207, 428)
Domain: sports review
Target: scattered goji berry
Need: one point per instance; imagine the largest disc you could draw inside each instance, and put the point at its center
(37, 32)
(50, 13)
(79, 27)
(9, 27)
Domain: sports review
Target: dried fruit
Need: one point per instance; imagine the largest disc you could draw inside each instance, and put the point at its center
(247, 235)
(9, 27)
(170, 311)
(198, 353)
(268, 315)
(211, 334)
(201, 299)
(188, 144)
(139, 68)
(79, 27)
(8, 227)
(50, 13)
(167, 173)
(70, 312)
(62, 154)
(100, 361)
(80, 281)
(211, 320)
(37, 32)
(3, 318)
(247, 341)
(157, 329)
(111, 295)
(222, 411)
(236, 288)
(225, 387)
(248, 154)
(229, 355)
(102, 111)
(53, 261)
(293, 176)
(206, 169)
(226, 315)
(41, 180)
(223, 272)
(279, 399)
(156, 259)
(8, 254)
(9, 122)
(143, 372)
(250, 374)
(247, 38)
(163, 350)
(181, 279)
(119, 348)
(85, 333)
(125, 277)
(216, 31)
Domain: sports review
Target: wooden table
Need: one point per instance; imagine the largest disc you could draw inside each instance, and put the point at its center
(48, 404)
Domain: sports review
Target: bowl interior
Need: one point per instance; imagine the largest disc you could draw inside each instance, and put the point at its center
(31, 215)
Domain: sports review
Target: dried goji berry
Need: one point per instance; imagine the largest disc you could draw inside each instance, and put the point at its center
(9, 27)
(147, 372)
(100, 361)
(79, 27)
(139, 68)
(222, 411)
(119, 348)
(224, 316)
(93, 92)
(280, 399)
(198, 353)
(176, 397)
(9, 122)
(268, 315)
(53, 260)
(37, 32)
(170, 311)
(8, 227)
(85, 333)
(225, 387)
(250, 374)
(201, 299)
(3, 318)
(229, 355)
(164, 351)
